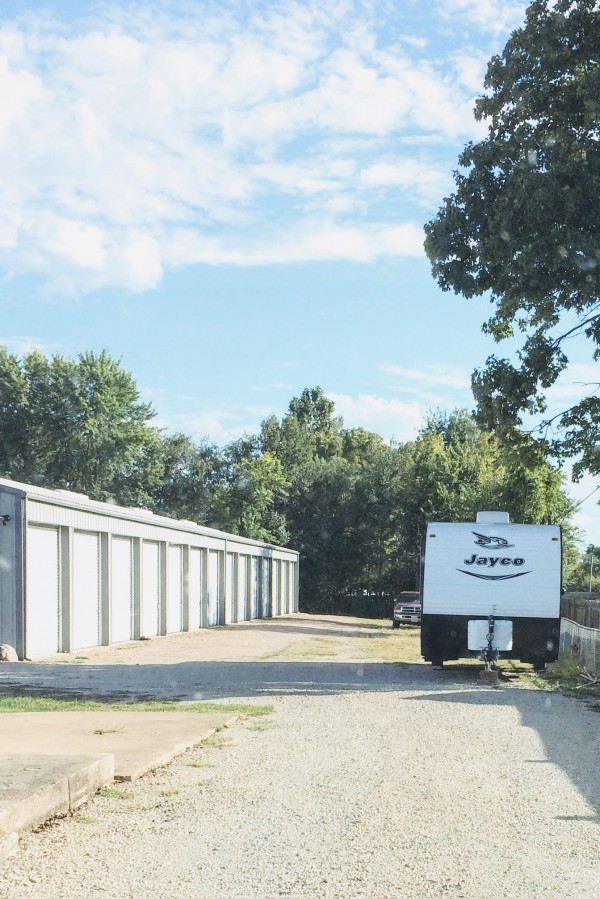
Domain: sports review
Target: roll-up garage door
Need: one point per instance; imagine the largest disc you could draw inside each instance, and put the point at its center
(276, 585)
(285, 584)
(266, 588)
(242, 597)
(121, 594)
(254, 589)
(43, 597)
(150, 589)
(174, 590)
(195, 587)
(231, 589)
(213, 588)
(86, 590)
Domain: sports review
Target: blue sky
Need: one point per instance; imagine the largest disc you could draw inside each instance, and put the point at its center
(230, 198)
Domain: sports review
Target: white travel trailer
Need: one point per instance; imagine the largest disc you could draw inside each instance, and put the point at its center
(491, 588)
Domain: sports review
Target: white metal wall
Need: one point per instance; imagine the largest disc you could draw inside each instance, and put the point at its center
(97, 574)
(42, 613)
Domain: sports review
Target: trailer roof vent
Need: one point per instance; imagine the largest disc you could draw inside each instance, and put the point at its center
(493, 518)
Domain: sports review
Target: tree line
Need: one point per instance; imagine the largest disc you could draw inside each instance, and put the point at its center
(353, 505)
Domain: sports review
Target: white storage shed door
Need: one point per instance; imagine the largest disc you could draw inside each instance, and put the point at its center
(266, 587)
(230, 590)
(276, 585)
(150, 589)
(242, 597)
(254, 589)
(86, 591)
(42, 599)
(195, 587)
(121, 594)
(213, 588)
(174, 590)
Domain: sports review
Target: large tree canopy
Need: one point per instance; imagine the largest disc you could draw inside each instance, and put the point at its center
(523, 224)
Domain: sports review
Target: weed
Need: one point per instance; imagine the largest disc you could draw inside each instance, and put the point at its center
(84, 819)
(114, 793)
(260, 725)
(569, 677)
(169, 793)
(217, 742)
(200, 763)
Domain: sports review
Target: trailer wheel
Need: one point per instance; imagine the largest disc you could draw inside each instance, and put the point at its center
(395, 624)
(437, 663)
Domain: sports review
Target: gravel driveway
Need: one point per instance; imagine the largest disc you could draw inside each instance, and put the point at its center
(369, 779)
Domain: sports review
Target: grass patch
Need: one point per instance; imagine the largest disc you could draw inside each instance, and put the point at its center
(260, 725)
(319, 647)
(84, 819)
(76, 704)
(114, 793)
(402, 645)
(200, 763)
(569, 677)
(217, 742)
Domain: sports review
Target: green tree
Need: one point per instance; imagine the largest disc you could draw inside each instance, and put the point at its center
(187, 478)
(76, 424)
(522, 225)
(246, 502)
(455, 468)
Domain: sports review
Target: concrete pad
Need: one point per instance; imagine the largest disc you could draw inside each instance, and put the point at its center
(139, 741)
(488, 676)
(34, 788)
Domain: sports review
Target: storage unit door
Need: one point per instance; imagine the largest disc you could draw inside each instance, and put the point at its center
(42, 602)
(276, 582)
(121, 593)
(266, 586)
(254, 587)
(230, 590)
(213, 588)
(174, 590)
(150, 589)
(242, 597)
(195, 587)
(284, 589)
(86, 591)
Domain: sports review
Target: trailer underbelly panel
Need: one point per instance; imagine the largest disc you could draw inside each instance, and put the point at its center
(445, 637)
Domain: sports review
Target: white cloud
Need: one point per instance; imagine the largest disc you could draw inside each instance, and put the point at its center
(391, 418)
(22, 345)
(329, 243)
(489, 15)
(225, 125)
(441, 376)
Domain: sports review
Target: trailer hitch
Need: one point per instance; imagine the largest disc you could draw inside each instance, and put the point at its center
(488, 653)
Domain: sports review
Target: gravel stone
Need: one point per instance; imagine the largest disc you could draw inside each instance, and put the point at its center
(405, 783)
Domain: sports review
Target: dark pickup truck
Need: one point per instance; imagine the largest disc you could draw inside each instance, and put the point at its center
(407, 609)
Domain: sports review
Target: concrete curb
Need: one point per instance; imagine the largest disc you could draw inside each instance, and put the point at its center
(36, 788)
(127, 774)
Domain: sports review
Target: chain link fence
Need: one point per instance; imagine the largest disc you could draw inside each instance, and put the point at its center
(580, 629)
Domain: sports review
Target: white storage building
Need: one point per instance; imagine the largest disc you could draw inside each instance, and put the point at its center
(76, 573)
